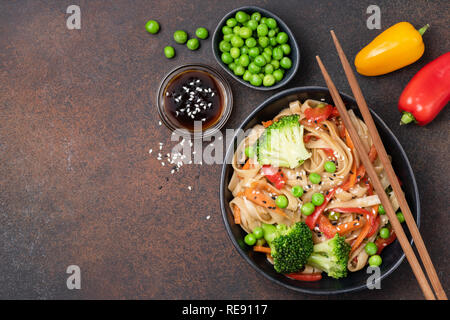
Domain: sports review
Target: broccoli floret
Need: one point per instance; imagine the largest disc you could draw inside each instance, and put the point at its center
(331, 256)
(281, 144)
(290, 246)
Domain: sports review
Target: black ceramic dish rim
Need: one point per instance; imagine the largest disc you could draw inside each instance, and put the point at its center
(230, 152)
(284, 27)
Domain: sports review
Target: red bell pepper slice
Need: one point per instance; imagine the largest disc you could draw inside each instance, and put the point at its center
(312, 219)
(274, 175)
(329, 152)
(311, 277)
(326, 227)
(319, 114)
(383, 243)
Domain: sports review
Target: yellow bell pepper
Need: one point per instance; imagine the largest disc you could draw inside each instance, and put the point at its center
(395, 48)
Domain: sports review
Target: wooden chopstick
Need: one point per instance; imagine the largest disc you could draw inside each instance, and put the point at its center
(414, 230)
(359, 146)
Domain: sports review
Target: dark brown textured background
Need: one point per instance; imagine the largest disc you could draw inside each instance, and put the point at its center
(78, 116)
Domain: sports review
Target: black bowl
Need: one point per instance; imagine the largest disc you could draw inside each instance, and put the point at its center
(294, 55)
(393, 254)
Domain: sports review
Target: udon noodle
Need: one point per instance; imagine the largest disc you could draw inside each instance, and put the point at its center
(325, 141)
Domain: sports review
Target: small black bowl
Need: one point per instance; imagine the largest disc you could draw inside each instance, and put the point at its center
(294, 55)
(393, 254)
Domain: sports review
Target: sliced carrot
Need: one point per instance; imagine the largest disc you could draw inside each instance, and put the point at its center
(248, 164)
(349, 141)
(362, 235)
(349, 226)
(261, 199)
(372, 153)
(261, 249)
(237, 215)
(267, 123)
(351, 179)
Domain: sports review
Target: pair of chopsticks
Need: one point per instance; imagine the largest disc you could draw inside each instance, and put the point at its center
(381, 151)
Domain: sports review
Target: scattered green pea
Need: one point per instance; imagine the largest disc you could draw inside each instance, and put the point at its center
(314, 178)
(180, 36)
(201, 33)
(169, 52)
(381, 210)
(152, 26)
(250, 239)
(375, 261)
(193, 44)
(258, 233)
(297, 191)
(329, 166)
(307, 208)
(281, 201)
(371, 248)
(317, 199)
(400, 217)
(384, 233)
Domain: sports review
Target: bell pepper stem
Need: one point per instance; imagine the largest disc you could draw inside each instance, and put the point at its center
(423, 29)
(407, 117)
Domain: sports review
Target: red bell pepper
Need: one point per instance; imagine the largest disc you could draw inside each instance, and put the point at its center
(329, 152)
(427, 93)
(305, 276)
(274, 175)
(312, 219)
(319, 113)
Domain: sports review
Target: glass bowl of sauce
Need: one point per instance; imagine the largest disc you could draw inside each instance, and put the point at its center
(195, 99)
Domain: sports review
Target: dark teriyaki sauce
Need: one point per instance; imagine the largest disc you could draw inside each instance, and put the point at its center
(194, 96)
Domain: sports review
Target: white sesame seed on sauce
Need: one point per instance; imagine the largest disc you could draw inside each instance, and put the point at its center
(160, 123)
(150, 151)
(208, 217)
(189, 188)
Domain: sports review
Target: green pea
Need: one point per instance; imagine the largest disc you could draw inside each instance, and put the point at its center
(261, 75)
(263, 20)
(268, 50)
(329, 166)
(152, 26)
(271, 33)
(262, 30)
(231, 22)
(180, 36)
(236, 30)
(267, 57)
(384, 233)
(273, 41)
(271, 23)
(269, 80)
(315, 178)
(169, 52)
(278, 74)
(400, 217)
(275, 64)
(334, 216)
(239, 70)
(224, 46)
(244, 60)
(241, 16)
(245, 32)
(297, 191)
(381, 210)
(281, 201)
(235, 52)
(193, 44)
(317, 199)
(227, 30)
(268, 69)
(375, 261)
(247, 75)
(232, 65)
(282, 37)
(244, 50)
(263, 41)
(237, 41)
(252, 24)
(249, 152)
(250, 42)
(256, 16)
(371, 248)
(226, 58)
(256, 80)
(308, 208)
(286, 48)
(260, 61)
(286, 63)
(253, 68)
(250, 239)
(277, 53)
(258, 233)
(260, 242)
(228, 37)
(202, 33)
(253, 52)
